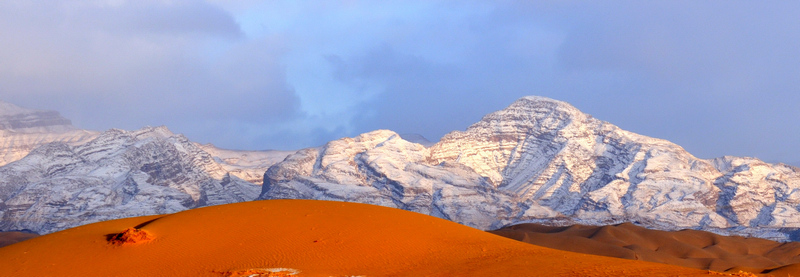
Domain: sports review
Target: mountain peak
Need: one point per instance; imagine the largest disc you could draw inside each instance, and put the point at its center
(542, 100)
(493, 144)
(157, 131)
(540, 107)
(529, 115)
(15, 118)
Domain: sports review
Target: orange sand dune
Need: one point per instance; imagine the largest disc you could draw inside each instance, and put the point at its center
(690, 248)
(7, 238)
(301, 237)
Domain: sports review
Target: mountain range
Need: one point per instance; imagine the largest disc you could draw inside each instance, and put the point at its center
(69, 177)
(538, 160)
(21, 130)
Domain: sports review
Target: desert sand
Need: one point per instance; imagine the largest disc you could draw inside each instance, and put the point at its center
(300, 238)
(689, 248)
(8, 238)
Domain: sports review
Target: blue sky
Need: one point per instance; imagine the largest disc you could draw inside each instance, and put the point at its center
(717, 77)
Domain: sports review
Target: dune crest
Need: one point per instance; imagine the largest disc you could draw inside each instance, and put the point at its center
(263, 272)
(305, 238)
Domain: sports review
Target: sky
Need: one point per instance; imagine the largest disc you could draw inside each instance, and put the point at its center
(716, 77)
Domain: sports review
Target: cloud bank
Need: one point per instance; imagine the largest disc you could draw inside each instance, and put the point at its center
(717, 77)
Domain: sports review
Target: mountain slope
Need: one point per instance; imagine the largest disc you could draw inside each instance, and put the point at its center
(542, 160)
(539, 160)
(118, 174)
(381, 168)
(22, 130)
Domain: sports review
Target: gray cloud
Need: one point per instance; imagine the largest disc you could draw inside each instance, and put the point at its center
(714, 76)
(717, 77)
(185, 64)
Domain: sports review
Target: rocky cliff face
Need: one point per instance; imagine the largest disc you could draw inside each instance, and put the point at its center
(118, 174)
(22, 130)
(541, 160)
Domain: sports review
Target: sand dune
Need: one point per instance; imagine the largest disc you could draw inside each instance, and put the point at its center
(7, 238)
(300, 238)
(689, 248)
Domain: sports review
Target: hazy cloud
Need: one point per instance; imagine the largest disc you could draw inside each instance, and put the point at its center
(127, 64)
(717, 77)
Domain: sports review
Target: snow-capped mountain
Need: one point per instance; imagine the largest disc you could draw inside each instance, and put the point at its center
(538, 160)
(542, 160)
(383, 169)
(118, 174)
(22, 130)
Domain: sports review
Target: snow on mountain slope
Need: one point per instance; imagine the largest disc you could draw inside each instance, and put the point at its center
(539, 160)
(22, 130)
(118, 174)
(248, 165)
(381, 168)
(542, 160)
(557, 159)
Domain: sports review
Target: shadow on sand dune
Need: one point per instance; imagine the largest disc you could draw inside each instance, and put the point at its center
(689, 248)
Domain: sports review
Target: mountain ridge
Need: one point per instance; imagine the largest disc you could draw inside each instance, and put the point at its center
(537, 161)
(542, 160)
(22, 130)
(118, 174)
